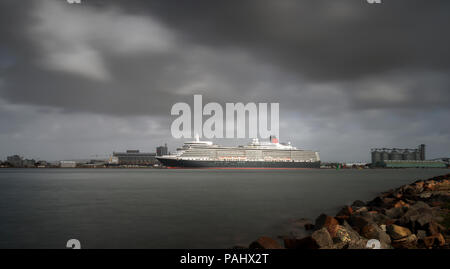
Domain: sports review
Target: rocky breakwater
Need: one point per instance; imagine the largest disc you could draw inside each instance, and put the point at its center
(409, 217)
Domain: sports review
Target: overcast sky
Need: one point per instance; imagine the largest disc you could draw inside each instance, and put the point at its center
(83, 80)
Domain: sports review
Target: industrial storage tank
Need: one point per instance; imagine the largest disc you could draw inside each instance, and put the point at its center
(376, 156)
(422, 152)
(417, 155)
(384, 155)
(407, 155)
(395, 155)
(398, 154)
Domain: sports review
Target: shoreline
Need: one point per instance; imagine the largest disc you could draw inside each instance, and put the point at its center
(412, 216)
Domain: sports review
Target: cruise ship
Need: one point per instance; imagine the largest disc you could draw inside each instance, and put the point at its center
(270, 154)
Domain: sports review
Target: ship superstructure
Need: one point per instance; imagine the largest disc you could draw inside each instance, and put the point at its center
(271, 154)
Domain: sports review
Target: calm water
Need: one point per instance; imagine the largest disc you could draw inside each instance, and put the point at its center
(115, 208)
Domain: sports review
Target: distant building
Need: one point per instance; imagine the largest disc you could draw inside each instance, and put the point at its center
(19, 162)
(68, 164)
(162, 150)
(42, 164)
(135, 157)
(14, 161)
(380, 155)
(29, 163)
(404, 158)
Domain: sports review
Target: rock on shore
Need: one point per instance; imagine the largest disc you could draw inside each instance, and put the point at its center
(412, 216)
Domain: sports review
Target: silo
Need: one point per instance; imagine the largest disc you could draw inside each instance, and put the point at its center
(395, 155)
(376, 156)
(405, 154)
(408, 155)
(422, 152)
(384, 155)
(417, 155)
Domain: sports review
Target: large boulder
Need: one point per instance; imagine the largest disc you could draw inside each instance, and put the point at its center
(409, 241)
(323, 238)
(434, 241)
(356, 241)
(373, 231)
(354, 235)
(433, 228)
(394, 213)
(415, 217)
(397, 232)
(265, 242)
(359, 221)
(342, 237)
(328, 222)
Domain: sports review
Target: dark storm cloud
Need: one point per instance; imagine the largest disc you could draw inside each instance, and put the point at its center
(304, 41)
(320, 39)
(105, 60)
